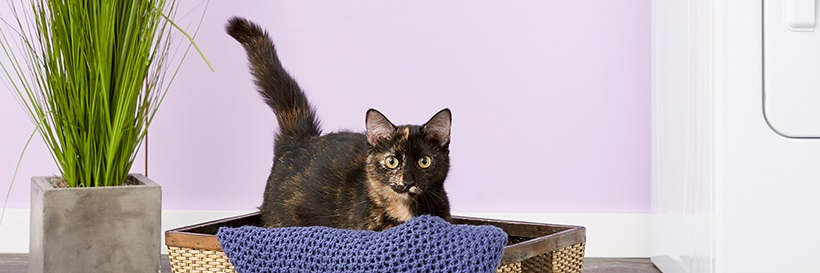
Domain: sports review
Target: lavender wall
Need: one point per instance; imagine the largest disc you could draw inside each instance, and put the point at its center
(550, 100)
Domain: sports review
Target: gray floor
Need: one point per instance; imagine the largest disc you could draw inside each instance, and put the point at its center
(18, 263)
(619, 265)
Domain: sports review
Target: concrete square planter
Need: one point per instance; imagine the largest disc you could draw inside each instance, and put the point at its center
(104, 229)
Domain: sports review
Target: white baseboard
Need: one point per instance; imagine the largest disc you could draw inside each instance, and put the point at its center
(608, 235)
(14, 230)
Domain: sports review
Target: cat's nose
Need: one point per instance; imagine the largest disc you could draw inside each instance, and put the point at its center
(409, 183)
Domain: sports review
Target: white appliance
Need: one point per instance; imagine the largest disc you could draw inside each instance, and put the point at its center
(736, 136)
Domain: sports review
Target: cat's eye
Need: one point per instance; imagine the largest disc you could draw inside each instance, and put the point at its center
(425, 161)
(391, 162)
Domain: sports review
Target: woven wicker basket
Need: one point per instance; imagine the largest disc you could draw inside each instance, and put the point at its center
(532, 247)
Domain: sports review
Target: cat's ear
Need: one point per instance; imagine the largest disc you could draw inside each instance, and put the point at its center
(378, 127)
(438, 127)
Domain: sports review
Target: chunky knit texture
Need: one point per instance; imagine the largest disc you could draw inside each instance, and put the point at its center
(423, 244)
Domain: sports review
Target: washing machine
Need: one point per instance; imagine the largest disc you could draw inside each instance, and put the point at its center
(735, 136)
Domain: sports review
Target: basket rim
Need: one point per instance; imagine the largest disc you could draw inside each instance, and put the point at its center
(543, 238)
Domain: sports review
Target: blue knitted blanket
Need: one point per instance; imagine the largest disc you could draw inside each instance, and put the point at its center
(423, 244)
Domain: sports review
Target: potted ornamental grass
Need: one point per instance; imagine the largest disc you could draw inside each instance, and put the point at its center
(91, 76)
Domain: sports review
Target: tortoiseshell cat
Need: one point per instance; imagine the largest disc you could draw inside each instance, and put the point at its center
(346, 180)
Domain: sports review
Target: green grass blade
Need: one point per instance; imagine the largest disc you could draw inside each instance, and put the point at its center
(14, 176)
(91, 76)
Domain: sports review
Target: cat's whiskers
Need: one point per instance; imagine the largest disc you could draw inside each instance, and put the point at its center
(430, 197)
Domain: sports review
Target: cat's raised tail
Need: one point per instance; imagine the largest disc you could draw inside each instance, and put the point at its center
(296, 117)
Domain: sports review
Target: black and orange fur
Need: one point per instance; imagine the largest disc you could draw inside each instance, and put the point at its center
(342, 179)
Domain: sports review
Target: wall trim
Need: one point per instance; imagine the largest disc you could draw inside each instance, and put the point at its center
(608, 234)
